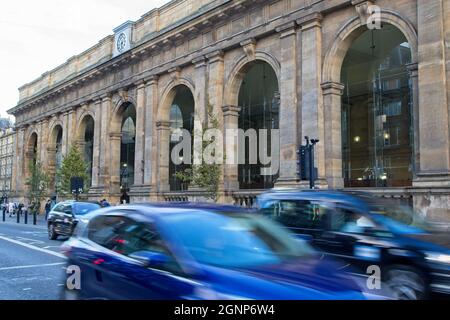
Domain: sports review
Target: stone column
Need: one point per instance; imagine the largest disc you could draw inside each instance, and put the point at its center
(163, 128)
(115, 139)
(288, 105)
(71, 128)
(96, 146)
(200, 96)
(332, 95)
(414, 75)
(65, 134)
(44, 142)
(105, 155)
(231, 125)
(216, 83)
(433, 100)
(312, 103)
(140, 138)
(151, 150)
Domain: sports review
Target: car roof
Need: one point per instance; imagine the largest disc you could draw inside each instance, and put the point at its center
(74, 202)
(158, 210)
(360, 199)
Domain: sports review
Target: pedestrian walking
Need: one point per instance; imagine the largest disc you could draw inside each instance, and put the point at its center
(48, 207)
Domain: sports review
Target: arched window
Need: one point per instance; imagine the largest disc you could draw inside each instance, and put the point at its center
(58, 144)
(259, 99)
(89, 144)
(376, 118)
(181, 117)
(127, 150)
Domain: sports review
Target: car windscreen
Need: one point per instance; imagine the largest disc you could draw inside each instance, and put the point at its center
(81, 209)
(235, 241)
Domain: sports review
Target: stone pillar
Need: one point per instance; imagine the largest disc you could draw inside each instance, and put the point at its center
(163, 128)
(105, 155)
(216, 83)
(433, 101)
(65, 134)
(71, 128)
(151, 150)
(288, 105)
(201, 88)
(312, 103)
(140, 138)
(115, 139)
(44, 142)
(231, 124)
(332, 95)
(200, 96)
(414, 75)
(96, 146)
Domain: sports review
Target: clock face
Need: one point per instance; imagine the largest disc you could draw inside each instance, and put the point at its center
(121, 42)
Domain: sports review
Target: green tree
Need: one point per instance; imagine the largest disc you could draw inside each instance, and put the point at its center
(73, 165)
(37, 185)
(205, 176)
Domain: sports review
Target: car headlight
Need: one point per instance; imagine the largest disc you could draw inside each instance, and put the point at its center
(437, 257)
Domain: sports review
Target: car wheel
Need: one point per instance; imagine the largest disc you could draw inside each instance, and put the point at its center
(406, 283)
(52, 235)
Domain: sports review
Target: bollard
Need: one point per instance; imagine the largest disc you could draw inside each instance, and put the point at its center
(26, 217)
(18, 216)
(4, 216)
(34, 218)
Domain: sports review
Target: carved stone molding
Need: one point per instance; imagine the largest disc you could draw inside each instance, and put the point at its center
(362, 8)
(215, 56)
(249, 47)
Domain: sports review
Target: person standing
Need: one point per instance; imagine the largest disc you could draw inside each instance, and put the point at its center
(48, 207)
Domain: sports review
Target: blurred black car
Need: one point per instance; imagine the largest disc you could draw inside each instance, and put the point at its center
(64, 217)
(364, 231)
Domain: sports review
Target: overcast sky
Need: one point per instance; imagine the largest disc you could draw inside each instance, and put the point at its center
(39, 35)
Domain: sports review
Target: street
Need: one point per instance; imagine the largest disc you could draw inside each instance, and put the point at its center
(31, 266)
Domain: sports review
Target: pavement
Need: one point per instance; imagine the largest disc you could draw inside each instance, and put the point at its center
(31, 266)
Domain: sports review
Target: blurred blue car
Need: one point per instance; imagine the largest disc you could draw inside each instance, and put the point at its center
(173, 252)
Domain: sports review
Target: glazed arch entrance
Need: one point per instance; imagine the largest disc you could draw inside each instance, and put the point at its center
(377, 125)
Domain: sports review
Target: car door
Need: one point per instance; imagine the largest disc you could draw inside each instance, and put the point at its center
(115, 275)
(350, 238)
(306, 218)
(165, 282)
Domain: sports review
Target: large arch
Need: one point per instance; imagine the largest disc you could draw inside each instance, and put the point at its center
(31, 152)
(168, 95)
(54, 153)
(166, 167)
(351, 30)
(85, 141)
(122, 153)
(238, 73)
(333, 89)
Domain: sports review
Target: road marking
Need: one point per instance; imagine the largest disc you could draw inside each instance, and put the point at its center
(33, 266)
(28, 239)
(26, 245)
(27, 289)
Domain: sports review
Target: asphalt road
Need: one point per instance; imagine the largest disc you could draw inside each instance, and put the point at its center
(31, 266)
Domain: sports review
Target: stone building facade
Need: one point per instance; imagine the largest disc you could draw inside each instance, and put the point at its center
(376, 96)
(7, 140)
